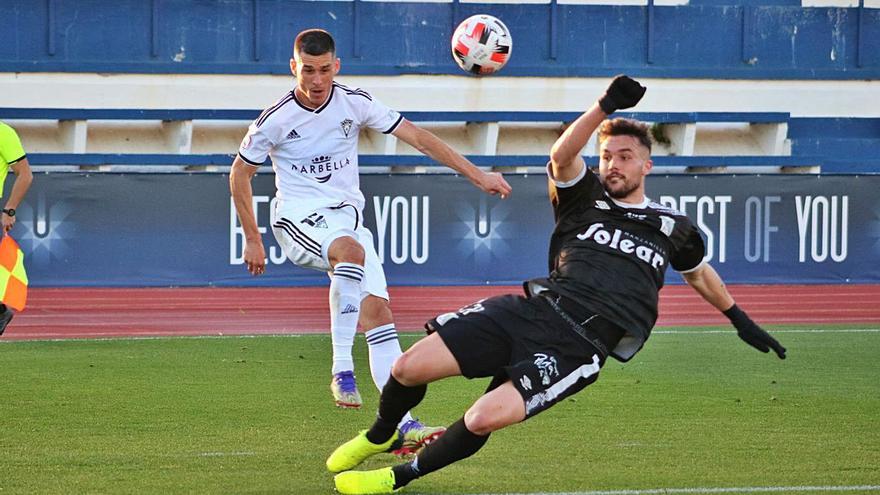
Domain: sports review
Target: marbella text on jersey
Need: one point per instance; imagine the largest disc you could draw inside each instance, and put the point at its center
(320, 165)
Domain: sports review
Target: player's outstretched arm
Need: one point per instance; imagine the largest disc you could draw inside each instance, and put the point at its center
(242, 195)
(429, 144)
(706, 281)
(565, 155)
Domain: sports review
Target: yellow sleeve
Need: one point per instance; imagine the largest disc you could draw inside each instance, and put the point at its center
(10, 146)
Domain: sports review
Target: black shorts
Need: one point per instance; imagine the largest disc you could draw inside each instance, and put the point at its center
(523, 340)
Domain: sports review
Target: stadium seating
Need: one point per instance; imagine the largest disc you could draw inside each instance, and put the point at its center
(488, 138)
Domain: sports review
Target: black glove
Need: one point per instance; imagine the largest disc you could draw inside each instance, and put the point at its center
(622, 93)
(752, 334)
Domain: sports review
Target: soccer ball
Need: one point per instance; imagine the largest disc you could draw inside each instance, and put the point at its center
(481, 44)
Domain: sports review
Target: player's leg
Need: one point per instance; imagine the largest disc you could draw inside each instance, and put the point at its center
(323, 239)
(376, 318)
(346, 257)
(468, 342)
(381, 335)
(384, 348)
(504, 405)
(428, 360)
(383, 343)
(498, 408)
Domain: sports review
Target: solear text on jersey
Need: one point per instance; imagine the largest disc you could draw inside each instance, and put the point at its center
(615, 240)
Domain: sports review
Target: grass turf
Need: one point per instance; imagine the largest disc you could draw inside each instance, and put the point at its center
(254, 415)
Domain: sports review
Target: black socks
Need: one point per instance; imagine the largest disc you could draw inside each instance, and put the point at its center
(395, 401)
(456, 444)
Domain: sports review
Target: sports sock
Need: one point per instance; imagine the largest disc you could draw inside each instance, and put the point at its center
(345, 303)
(384, 349)
(456, 444)
(394, 403)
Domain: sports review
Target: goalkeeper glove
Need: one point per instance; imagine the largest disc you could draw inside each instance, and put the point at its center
(622, 93)
(751, 333)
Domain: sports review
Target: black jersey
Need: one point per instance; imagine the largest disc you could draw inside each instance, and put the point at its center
(611, 258)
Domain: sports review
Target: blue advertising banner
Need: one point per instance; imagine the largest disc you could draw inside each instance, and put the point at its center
(181, 229)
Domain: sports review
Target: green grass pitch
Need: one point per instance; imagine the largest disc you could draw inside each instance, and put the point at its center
(695, 409)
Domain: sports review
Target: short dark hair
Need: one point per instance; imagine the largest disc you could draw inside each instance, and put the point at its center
(625, 127)
(314, 42)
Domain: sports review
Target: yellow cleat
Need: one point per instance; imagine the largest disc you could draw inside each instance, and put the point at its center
(365, 482)
(356, 450)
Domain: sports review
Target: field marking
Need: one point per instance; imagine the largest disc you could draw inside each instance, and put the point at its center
(42, 337)
(749, 489)
(225, 454)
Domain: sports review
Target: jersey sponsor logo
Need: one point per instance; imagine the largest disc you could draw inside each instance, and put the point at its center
(635, 216)
(346, 126)
(324, 165)
(602, 205)
(624, 242)
(293, 134)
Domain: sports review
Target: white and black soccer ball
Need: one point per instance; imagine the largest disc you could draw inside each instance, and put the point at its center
(481, 44)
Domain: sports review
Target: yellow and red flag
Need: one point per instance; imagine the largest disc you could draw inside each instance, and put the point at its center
(13, 278)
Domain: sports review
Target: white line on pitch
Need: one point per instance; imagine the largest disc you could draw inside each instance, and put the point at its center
(225, 454)
(687, 491)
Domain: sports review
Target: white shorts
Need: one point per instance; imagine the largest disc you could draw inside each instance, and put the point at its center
(305, 235)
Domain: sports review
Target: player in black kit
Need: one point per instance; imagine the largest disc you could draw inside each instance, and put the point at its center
(608, 255)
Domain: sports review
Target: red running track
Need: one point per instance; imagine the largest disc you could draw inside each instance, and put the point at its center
(93, 312)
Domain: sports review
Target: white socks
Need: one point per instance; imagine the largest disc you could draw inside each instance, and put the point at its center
(345, 304)
(384, 349)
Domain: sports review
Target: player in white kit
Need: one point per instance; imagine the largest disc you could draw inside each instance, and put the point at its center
(311, 134)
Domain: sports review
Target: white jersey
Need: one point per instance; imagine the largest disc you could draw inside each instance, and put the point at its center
(315, 151)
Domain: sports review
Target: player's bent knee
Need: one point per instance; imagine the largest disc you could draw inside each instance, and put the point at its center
(375, 311)
(346, 250)
(497, 409)
(480, 422)
(406, 370)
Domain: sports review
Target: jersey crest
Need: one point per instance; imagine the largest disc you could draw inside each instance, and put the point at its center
(346, 126)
